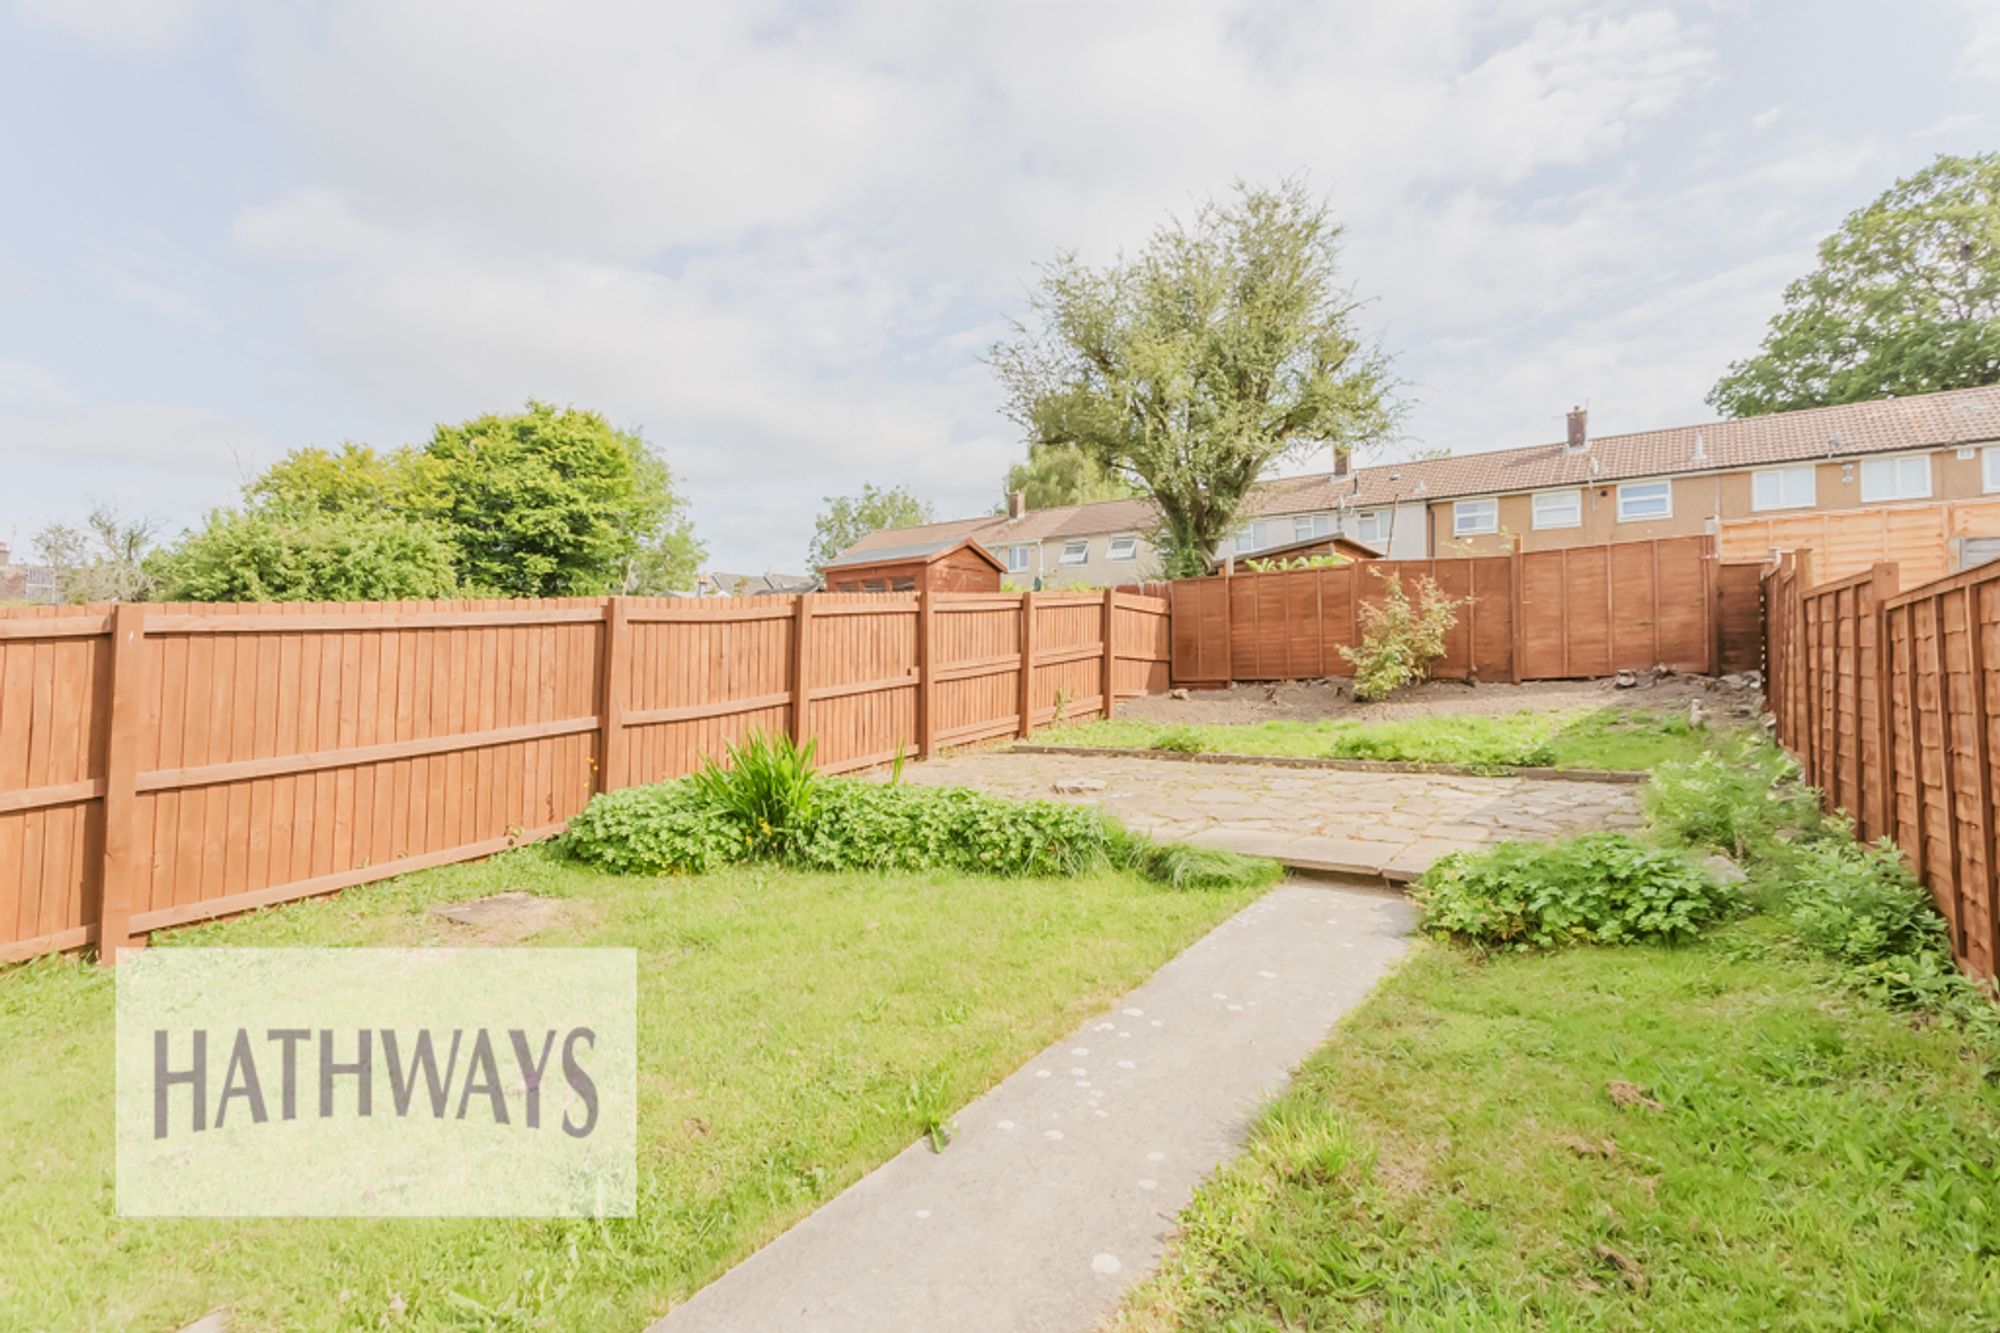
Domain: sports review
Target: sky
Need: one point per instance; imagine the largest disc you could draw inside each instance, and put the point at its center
(779, 238)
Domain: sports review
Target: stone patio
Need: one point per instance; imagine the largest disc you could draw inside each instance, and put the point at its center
(1392, 825)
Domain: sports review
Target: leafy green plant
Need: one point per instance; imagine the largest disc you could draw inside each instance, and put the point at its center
(768, 790)
(1860, 904)
(1600, 888)
(869, 826)
(1400, 640)
(667, 828)
(1179, 866)
(1180, 740)
(1739, 801)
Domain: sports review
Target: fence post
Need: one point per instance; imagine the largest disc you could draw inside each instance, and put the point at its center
(1883, 582)
(926, 675)
(119, 871)
(1516, 614)
(1110, 648)
(1027, 723)
(616, 685)
(801, 665)
(1982, 749)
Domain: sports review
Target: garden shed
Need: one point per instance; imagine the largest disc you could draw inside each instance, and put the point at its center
(961, 566)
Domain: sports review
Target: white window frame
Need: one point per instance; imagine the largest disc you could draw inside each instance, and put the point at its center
(1896, 463)
(1989, 467)
(1781, 479)
(1574, 496)
(1371, 527)
(1019, 558)
(1076, 552)
(1462, 510)
(1305, 527)
(1128, 542)
(1627, 492)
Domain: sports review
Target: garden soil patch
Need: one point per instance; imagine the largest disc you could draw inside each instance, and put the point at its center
(1310, 700)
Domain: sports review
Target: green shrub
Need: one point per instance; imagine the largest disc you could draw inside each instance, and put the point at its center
(1179, 866)
(1181, 740)
(869, 826)
(767, 793)
(1740, 802)
(1400, 642)
(665, 828)
(1860, 904)
(1475, 742)
(1603, 888)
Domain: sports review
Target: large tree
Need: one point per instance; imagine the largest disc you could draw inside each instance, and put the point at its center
(1906, 299)
(1229, 343)
(846, 519)
(1062, 474)
(544, 503)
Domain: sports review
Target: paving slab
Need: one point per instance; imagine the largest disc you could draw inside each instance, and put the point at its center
(1391, 826)
(1062, 1184)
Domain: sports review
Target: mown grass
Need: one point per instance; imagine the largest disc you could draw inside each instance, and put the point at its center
(1628, 738)
(1455, 1158)
(795, 1030)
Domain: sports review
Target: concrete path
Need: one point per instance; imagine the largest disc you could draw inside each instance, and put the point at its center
(1064, 1181)
(1392, 825)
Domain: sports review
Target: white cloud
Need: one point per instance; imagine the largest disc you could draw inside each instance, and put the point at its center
(778, 238)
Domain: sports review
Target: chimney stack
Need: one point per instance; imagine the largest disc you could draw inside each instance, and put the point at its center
(1339, 461)
(1017, 504)
(1579, 434)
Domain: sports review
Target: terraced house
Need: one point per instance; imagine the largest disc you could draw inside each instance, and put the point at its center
(1915, 480)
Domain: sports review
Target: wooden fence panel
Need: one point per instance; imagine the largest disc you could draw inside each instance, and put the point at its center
(1739, 617)
(260, 753)
(1887, 699)
(1540, 615)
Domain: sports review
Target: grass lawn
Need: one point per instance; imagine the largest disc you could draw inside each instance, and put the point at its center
(795, 1030)
(1454, 1158)
(1634, 739)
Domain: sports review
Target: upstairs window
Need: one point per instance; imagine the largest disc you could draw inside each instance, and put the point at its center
(1076, 552)
(1559, 509)
(1784, 487)
(1989, 468)
(1371, 527)
(1019, 559)
(1905, 478)
(1308, 526)
(1125, 546)
(1469, 518)
(1641, 500)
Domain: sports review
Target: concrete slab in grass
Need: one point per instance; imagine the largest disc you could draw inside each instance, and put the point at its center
(1063, 1182)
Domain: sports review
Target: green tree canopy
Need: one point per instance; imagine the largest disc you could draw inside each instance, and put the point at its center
(264, 556)
(1906, 299)
(1227, 345)
(546, 502)
(1062, 474)
(846, 519)
(353, 478)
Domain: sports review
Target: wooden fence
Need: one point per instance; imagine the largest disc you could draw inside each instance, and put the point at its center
(1534, 615)
(165, 764)
(1887, 698)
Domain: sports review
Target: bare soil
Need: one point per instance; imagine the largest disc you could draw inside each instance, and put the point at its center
(1311, 700)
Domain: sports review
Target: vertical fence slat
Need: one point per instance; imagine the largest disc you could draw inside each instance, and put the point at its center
(118, 874)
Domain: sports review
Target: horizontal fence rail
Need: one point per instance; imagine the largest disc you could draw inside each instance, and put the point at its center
(1887, 699)
(165, 764)
(1532, 615)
